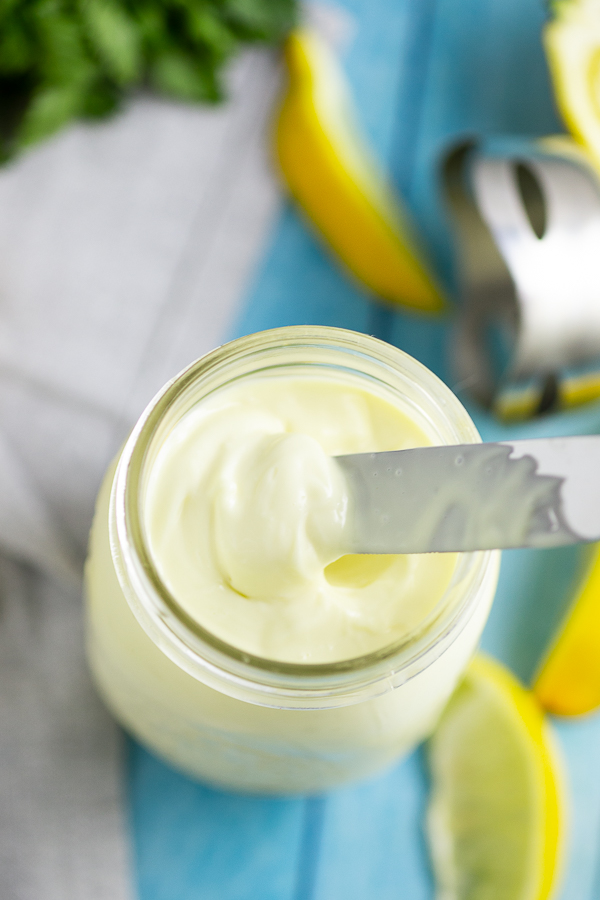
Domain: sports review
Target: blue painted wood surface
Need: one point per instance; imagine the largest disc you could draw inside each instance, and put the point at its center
(424, 73)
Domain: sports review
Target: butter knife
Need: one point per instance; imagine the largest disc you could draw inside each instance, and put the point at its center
(529, 493)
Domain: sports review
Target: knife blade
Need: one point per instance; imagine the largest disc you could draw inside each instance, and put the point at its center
(541, 493)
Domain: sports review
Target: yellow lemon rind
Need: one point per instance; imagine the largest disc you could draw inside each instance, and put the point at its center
(572, 44)
(336, 181)
(516, 404)
(568, 681)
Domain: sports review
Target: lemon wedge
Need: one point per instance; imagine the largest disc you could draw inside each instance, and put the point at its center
(334, 177)
(568, 682)
(572, 42)
(495, 816)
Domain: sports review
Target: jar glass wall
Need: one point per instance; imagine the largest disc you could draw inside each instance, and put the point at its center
(222, 714)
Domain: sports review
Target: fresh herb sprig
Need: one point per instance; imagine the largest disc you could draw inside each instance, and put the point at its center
(61, 59)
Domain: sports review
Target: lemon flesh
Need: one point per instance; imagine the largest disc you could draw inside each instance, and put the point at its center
(568, 682)
(494, 821)
(572, 42)
(332, 174)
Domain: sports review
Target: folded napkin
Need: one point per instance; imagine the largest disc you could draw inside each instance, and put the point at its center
(125, 248)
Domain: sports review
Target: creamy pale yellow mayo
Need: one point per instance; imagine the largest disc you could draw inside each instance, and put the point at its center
(245, 513)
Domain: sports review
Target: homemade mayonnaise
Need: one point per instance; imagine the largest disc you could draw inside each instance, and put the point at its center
(246, 514)
(224, 628)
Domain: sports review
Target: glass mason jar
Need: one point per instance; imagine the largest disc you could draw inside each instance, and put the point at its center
(240, 721)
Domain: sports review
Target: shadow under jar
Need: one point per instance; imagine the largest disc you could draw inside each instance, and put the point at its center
(218, 712)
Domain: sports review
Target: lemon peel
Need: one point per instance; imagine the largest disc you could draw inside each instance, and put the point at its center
(496, 816)
(568, 681)
(332, 174)
(572, 44)
(515, 404)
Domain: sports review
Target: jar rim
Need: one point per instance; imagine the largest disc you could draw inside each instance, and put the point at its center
(206, 656)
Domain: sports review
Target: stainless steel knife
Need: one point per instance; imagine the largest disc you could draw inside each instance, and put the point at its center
(530, 493)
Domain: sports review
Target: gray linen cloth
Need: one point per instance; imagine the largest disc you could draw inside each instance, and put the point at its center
(125, 248)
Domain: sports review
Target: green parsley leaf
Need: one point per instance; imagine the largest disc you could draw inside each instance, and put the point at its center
(51, 107)
(60, 59)
(178, 74)
(115, 37)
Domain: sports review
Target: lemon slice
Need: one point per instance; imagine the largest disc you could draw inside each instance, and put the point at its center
(494, 820)
(332, 174)
(568, 682)
(572, 42)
